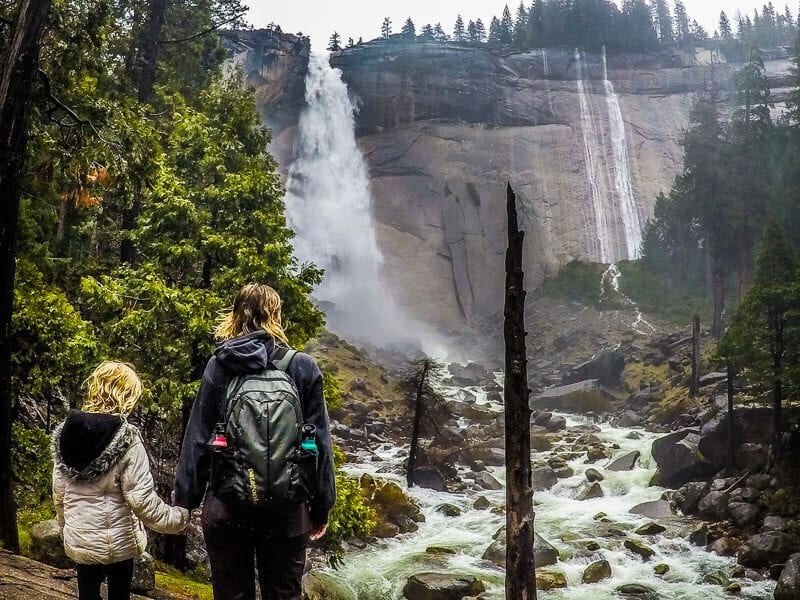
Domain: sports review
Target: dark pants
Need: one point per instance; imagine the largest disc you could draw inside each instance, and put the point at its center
(235, 540)
(118, 575)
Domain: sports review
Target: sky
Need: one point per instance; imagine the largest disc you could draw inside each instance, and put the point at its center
(354, 18)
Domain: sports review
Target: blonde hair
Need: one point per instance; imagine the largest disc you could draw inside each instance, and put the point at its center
(257, 307)
(113, 388)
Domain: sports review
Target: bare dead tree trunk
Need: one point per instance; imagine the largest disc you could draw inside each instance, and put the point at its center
(419, 408)
(520, 565)
(777, 350)
(731, 443)
(694, 387)
(16, 85)
(718, 293)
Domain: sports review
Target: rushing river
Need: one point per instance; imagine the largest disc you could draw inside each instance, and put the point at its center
(381, 570)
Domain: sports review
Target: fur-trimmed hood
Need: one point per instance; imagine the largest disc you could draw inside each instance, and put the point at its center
(87, 445)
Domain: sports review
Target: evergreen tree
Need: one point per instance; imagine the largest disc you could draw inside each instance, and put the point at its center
(506, 27)
(725, 31)
(335, 42)
(458, 30)
(536, 33)
(494, 32)
(386, 28)
(664, 22)
(350, 42)
(439, 33)
(520, 34)
(682, 27)
(409, 31)
(472, 32)
(698, 34)
(480, 31)
(428, 34)
(638, 32)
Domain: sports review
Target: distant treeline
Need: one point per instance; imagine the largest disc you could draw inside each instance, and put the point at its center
(634, 26)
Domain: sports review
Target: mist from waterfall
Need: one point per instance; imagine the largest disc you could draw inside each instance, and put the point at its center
(628, 211)
(328, 205)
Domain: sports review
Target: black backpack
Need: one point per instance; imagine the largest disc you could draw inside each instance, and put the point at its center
(258, 458)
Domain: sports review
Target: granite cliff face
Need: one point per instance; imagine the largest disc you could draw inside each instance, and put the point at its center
(443, 127)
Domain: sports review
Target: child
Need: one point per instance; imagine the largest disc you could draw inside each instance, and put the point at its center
(102, 486)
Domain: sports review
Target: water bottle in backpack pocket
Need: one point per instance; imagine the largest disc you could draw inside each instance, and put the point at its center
(308, 460)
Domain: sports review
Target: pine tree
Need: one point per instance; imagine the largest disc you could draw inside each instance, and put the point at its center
(439, 33)
(725, 31)
(536, 33)
(472, 32)
(506, 27)
(480, 31)
(698, 33)
(409, 31)
(458, 30)
(427, 33)
(520, 34)
(386, 28)
(664, 21)
(350, 42)
(494, 32)
(335, 42)
(682, 27)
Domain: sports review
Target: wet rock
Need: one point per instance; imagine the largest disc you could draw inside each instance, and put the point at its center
(481, 413)
(144, 574)
(592, 546)
(788, 587)
(759, 481)
(688, 496)
(716, 577)
(724, 546)
(593, 475)
(627, 462)
(439, 550)
(743, 513)
(449, 510)
(442, 586)
(540, 442)
(47, 545)
(678, 459)
(482, 503)
(541, 418)
(469, 374)
(601, 516)
(657, 509)
(550, 580)
(544, 478)
(597, 571)
(405, 524)
(714, 506)
(775, 523)
(770, 548)
(544, 553)
(744, 494)
(639, 549)
(699, 537)
(661, 569)
(596, 453)
(318, 585)
(489, 455)
(650, 529)
(751, 425)
(592, 490)
(564, 472)
(637, 590)
(385, 529)
(629, 418)
(487, 481)
(389, 501)
(581, 397)
(430, 478)
(734, 587)
(557, 423)
(606, 367)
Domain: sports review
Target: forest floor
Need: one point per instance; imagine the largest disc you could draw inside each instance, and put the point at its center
(22, 577)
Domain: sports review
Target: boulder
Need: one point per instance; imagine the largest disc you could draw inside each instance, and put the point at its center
(439, 550)
(775, 523)
(318, 585)
(688, 496)
(714, 506)
(449, 510)
(661, 569)
(638, 591)
(47, 545)
(699, 537)
(389, 500)
(713, 378)
(606, 367)
(430, 478)
(752, 457)
(593, 475)
(597, 571)
(144, 574)
(678, 459)
(481, 413)
(550, 580)
(626, 462)
(544, 478)
(580, 398)
(385, 529)
(724, 546)
(589, 491)
(544, 553)
(751, 425)
(744, 494)
(769, 548)
(481, 503)
(469, 374)
(442, 586)
(596, 452)
(640, 549)
(650, 529)
(487, 481)
(743, 513)
(788, 587)
(405, 524)
(557, 423)
(657, 509)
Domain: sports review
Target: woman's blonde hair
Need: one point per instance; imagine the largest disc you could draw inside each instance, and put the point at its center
(257, 307)
(113, 388)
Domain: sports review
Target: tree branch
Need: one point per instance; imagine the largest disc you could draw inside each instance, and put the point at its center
(205, 31)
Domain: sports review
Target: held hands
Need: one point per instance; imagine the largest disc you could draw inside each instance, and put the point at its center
(184, 519)
(318, 532)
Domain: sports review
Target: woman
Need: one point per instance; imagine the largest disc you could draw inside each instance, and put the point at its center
(102, 486)
(252, 336)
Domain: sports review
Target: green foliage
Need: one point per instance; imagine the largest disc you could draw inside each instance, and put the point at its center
(351, 517)
(32, 466)
(578, 281)
(332, 391)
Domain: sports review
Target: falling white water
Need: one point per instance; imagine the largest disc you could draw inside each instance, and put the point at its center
(602, 244)
(328, 204)
(629, 213)
(611, 277)
(546, 67)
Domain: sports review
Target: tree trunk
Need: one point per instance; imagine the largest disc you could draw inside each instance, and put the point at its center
(16, 85)
(777, 385)
(718, 292)
(520, 566)
(418, 410)
(731, 441)
(694, 387)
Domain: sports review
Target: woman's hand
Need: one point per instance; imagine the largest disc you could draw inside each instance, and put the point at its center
(318, 532)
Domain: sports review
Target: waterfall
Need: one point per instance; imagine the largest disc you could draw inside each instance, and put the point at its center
(628, 212)
(328, 205)
(611, 277)
(602, 207)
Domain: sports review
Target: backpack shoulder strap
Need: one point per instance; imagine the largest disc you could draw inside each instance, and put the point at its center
(282, 358)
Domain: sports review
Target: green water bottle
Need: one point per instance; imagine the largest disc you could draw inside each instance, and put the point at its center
(308, 440)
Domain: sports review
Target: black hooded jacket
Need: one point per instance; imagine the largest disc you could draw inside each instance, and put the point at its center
(251, 354)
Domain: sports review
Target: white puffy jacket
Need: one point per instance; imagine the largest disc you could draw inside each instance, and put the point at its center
(103, 507)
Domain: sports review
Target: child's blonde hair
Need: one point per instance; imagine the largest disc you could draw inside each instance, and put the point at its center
(113, 388)
(257, 307)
